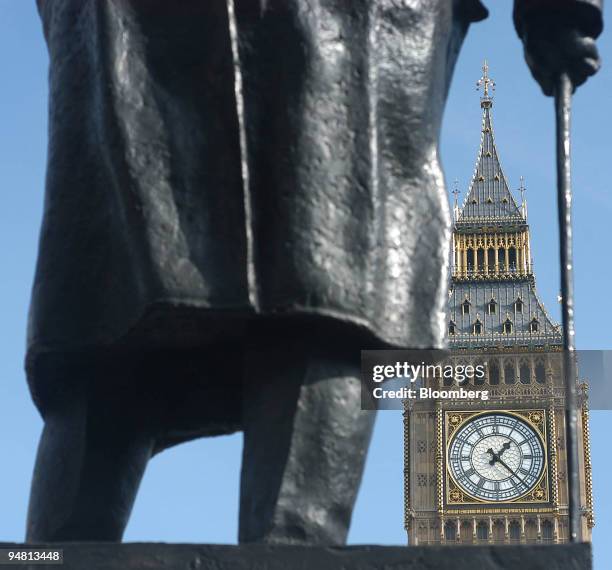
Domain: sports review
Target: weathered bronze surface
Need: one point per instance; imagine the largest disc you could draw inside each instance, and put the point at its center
(246, 182)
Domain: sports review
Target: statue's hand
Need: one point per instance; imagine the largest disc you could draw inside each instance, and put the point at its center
(559, 49)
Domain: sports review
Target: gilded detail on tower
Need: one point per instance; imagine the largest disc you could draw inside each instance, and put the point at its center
(494, 471)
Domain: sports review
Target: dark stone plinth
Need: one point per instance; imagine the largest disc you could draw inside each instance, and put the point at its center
(156, 556)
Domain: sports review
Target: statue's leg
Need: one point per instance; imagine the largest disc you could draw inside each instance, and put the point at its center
(91, 457)
(305, 443)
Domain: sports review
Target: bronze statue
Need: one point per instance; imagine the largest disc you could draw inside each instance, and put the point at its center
(233, 194)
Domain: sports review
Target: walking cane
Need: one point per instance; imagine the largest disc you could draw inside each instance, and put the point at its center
(563, 99)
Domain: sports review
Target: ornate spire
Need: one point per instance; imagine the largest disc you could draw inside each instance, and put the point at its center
(489, 198)
(493, 300)
(488, 86)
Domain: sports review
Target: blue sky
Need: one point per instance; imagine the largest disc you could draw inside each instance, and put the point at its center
(190, 493)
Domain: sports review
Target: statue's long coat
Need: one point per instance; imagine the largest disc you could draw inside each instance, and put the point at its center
(216, 160)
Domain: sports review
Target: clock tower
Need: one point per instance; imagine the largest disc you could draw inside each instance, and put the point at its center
(493, 470)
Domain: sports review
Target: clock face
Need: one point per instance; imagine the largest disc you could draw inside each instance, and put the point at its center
(496, 457)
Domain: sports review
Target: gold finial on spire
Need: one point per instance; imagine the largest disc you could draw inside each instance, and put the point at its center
(456, 190)
(488, 86)
(522, 190)
(456, 193)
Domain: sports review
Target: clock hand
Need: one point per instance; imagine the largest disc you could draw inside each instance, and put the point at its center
(497, 456)
(511, 471)
(504, 448)
(494, 458)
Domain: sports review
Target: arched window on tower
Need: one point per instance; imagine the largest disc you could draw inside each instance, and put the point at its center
(540, 373)
(492, 307)
(512, 258)
(509, 373)
(491, 259)
(466, 532)
(515, 531)
(450, 530)
(547, 530)
(493, 373)
(525, 373)
(499, 530)
(465, 307)
(507, 326)
(482, 530)
(452, 328)
(470, 259)
(518, 305)
(531, 530)
(534, 325)
(480, 256)
(477, 326)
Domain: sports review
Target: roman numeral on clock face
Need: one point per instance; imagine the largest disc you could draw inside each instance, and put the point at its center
(494, 426)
